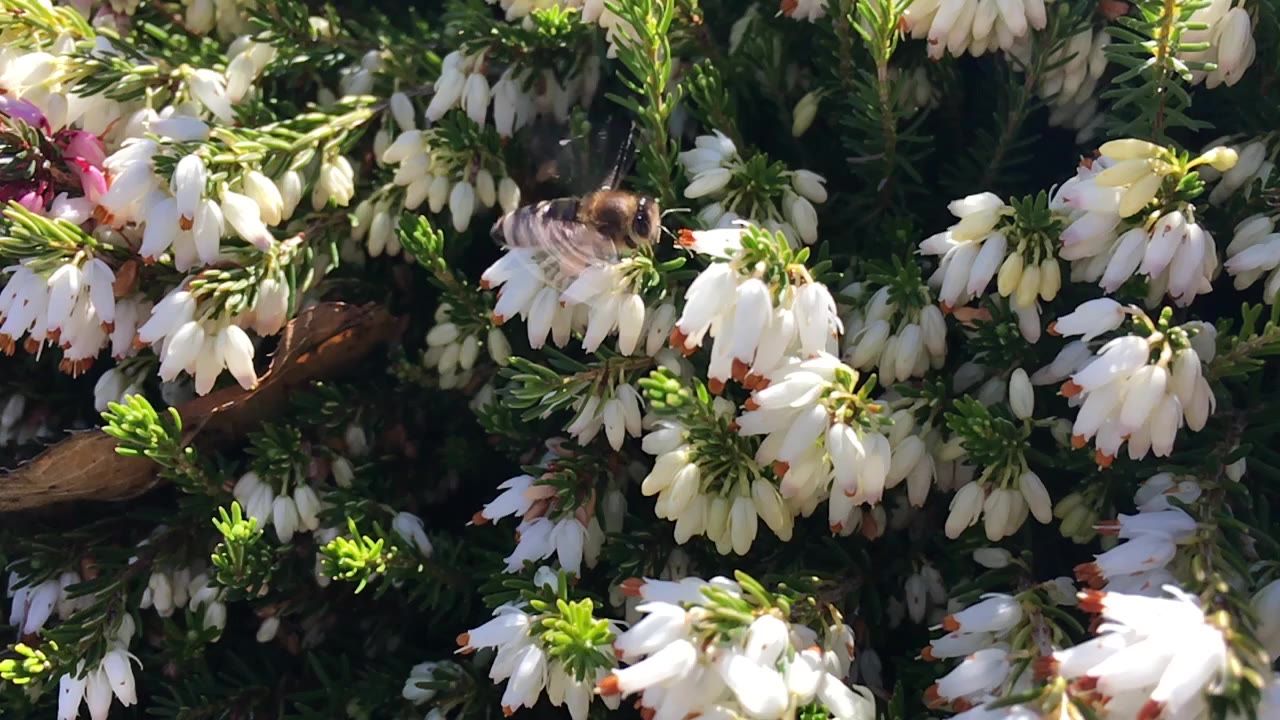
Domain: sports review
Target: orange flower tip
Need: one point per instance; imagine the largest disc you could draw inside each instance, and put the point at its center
(837, 528)
(479, 519)
(484, 284)
(960, 705)
(686, 238)
(716, 386)
(1070, 389)
(1078, 441)
(1102, 459)
(647, 713)
(927, 654)
(733, 426)
(463, 640)
(1151, 710)
(185, 222)
(1052, 329)
(608, 685)
(508, 711)
(617, 653)
(788, 7)
(1088, 682)
(950, 624)
(1091, 601)
(1044, 667)
(1085, 571)
(740, 370)
(498, 319)
(931, 695)
(751, 381)
(631, 587)
(751, 404)
(780, 468)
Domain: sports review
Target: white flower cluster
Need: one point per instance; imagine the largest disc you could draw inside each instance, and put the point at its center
(546, 528)
(897, 337)
(718, 172)
(96, 688)
(692, 492)
(33, 605)
(827, 441)
(610, 294)
(755, 325)
(199, 347)
(1227, 32)
(679, 667)
(616, 410)
(453, 348)
(431, 173)
(1070, 82)
(523, 661)
(1153, 656)
(1125, 397)
(1254, 253)
(1174, 251)
(1138, 565)
(1255, 162)
(979, 247)
(979, 635)
(74, 307)
(287, 513)
(973, 26)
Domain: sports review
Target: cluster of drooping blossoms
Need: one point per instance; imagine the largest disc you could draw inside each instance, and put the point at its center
(981, 636)
(757, 302)
(754, 190)
(1121, 225)
(1153, 657)
(1254, 253)
(1255, 161)
(1138, 565)
(598, 301)
(996, 240)
(519, 634)
(1071, 79)
(897, 331)
(827, 440)
(431, 171)
(453, 346)
(1008, 490)
(716, 650)
(973, 26)
(550, 522)
(1226, 29)
(1137, 389)
(706, 483)
(111, 680)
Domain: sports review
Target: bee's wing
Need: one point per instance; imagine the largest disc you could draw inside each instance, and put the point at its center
(562, 247)
(573, 159)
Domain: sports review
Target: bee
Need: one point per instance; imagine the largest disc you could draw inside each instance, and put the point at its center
(576, 232)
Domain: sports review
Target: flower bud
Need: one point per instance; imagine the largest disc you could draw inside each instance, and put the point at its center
(1021, 395)
(805, 111)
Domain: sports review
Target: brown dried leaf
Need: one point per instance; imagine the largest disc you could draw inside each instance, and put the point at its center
(82, 466)
(323, 341)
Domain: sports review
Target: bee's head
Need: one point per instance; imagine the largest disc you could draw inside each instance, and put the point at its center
(646, 224)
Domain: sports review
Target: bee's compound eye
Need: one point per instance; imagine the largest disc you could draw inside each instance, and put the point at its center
(642, 223)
